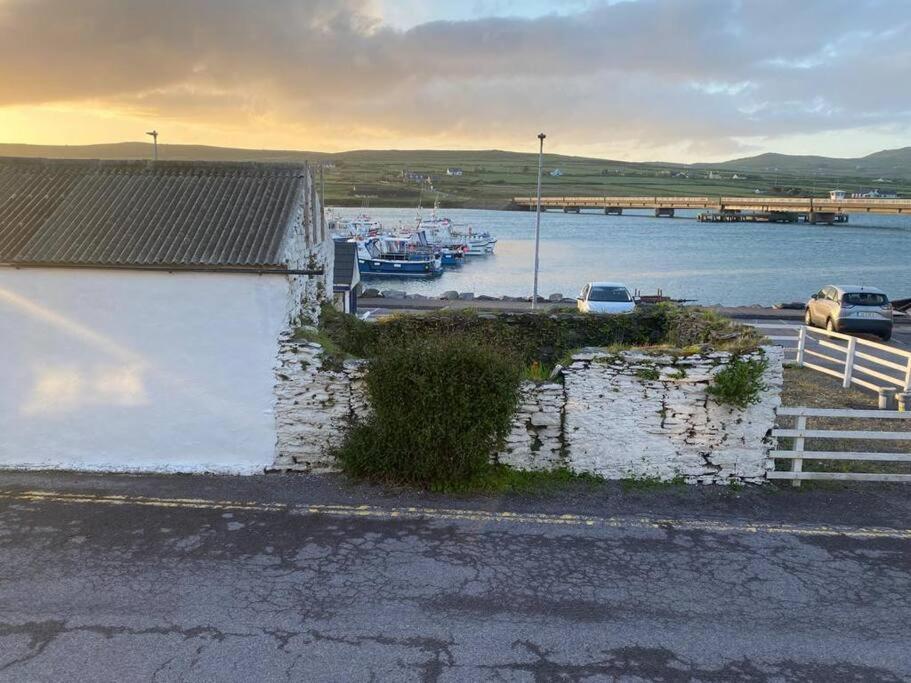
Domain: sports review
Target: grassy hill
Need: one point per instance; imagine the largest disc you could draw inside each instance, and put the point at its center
(492, 177)
(890, 164)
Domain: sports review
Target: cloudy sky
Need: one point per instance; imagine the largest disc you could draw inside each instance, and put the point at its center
(681, 80)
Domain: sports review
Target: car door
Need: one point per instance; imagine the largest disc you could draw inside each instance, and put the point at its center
(829, 304)
(817, 303)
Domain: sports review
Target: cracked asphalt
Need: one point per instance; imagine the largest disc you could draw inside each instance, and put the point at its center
(116, 577)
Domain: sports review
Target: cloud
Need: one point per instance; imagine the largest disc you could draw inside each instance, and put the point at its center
(702, 75)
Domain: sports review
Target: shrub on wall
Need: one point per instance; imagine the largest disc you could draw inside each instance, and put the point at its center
(441, 406)
(740, 383)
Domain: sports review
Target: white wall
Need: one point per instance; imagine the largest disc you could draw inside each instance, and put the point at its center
(138, 371)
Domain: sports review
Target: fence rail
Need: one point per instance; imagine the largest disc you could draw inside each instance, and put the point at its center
(801, 433)
(811, 344)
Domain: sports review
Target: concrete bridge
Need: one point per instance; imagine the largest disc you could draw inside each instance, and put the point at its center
(808, 207)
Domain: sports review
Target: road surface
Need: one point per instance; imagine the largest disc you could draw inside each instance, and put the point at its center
(112, 578)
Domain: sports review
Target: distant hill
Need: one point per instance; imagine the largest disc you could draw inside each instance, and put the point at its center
(890, 163)
(143, 150)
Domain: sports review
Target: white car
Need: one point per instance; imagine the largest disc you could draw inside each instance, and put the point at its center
(605, 297)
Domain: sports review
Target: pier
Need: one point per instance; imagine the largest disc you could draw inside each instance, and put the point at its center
(774, 209)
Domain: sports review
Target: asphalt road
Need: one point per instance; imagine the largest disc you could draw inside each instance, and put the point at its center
(112, 578)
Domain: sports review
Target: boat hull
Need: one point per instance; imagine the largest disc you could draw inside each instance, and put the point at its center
(406, 269)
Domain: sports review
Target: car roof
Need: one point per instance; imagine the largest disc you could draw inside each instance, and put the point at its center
(852, 289)
(607, 284)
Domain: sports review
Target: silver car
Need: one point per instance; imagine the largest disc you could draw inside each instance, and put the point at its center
(851, 308)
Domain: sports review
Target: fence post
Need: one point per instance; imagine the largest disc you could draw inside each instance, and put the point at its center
(908, 376)
(849, 362)
(886, 399)
(797, 461)
(802, 344)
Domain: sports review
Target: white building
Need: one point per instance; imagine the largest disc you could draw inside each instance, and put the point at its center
(454, 171)
(837, 195)
(141, 305)
(556, 173)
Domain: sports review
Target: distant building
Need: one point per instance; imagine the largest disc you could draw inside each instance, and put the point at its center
(414, 177)
(556, 173)
(738, 177)
(837, 195)
(875, 193)
(454, 171)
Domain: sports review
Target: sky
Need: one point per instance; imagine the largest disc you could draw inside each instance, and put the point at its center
(639, 80)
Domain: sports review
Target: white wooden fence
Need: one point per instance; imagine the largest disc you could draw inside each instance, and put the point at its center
(855, 361)
(801, 433)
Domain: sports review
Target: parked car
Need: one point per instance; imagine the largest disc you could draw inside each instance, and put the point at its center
(605, 297)
(851, 308)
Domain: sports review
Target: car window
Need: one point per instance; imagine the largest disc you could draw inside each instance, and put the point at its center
(830, 293)
(865, 299)
(601, 293)
(584, 293)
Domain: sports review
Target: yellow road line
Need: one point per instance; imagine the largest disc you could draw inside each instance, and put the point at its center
(455, 514)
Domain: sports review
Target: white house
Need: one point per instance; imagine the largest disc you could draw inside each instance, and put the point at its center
(454, 171)
(837, 195)
(556, 173)
(141, 305)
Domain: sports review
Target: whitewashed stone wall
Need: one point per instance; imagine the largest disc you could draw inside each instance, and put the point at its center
(307, 247)
(315, 402)
(620, 423)
(536, 439)
(618, 416)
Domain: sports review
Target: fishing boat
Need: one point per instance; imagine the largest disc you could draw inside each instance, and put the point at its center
(444, 233)
(396, 257)
(360, 227)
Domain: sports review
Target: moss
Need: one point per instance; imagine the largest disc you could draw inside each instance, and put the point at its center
(504, 479)
(651, 483)
(648, 374)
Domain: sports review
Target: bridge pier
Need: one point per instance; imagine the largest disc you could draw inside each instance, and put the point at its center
(571, 209)
(613, 211)
(782, 217)
(664, 212)
(826, 217)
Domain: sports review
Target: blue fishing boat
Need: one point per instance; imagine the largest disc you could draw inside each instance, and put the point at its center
(393, 257)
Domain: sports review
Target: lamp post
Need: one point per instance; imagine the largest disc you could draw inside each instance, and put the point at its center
(154, 134)
(534, 295)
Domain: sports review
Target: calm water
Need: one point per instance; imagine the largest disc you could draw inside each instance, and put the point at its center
(726, 263)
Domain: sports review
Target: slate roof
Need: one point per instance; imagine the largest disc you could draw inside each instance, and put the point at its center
(146, 214)
(344, 263)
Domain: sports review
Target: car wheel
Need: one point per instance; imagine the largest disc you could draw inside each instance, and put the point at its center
(830, 326)
(808, 318)
(886, 336)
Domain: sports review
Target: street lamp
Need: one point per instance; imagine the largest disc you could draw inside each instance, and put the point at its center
(154, 134)
(534, 296)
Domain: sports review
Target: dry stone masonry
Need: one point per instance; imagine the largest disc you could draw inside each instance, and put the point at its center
(315, 402)
(615, 415)
(637, 415)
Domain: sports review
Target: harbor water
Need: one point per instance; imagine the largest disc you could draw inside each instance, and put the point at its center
(724, 263)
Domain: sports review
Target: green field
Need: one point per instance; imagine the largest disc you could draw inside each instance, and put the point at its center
(492, 177)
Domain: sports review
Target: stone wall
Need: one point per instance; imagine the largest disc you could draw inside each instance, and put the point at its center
(615, 415)
(635, 415)
(536, 439)
(315, 402)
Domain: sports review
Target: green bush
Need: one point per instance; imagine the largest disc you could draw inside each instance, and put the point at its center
(740, 383)
(441, 406)
(545, 338)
